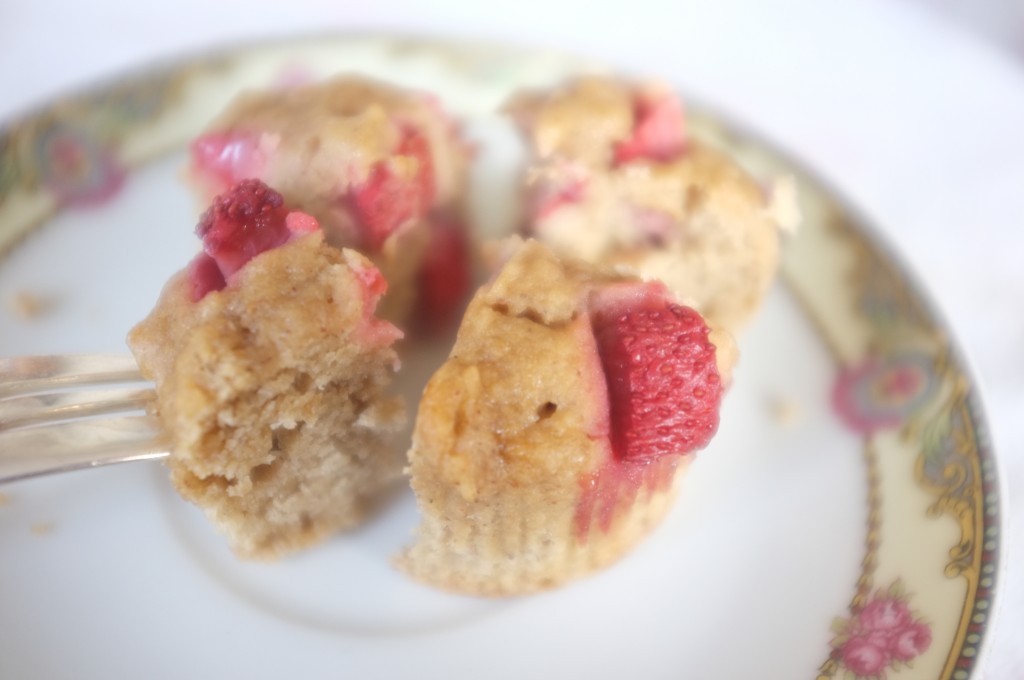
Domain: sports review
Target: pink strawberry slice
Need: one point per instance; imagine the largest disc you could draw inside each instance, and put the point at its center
(226, 157)
(242, 223)
(299, 223)
(385, 201)
(568, 189)
(659, 131)
(444, 275)
(373, 331)
(664, 390)
(204, 276)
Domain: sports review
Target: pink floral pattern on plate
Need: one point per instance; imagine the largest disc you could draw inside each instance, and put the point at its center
(79, 169)
(881, 392)
(72, 151)
(883, 635)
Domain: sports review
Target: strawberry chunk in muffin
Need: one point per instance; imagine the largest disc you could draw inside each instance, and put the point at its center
(663, 384)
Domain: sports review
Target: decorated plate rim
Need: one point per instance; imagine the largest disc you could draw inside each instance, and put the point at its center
(959, 665)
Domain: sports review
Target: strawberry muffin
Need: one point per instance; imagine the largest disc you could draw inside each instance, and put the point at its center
(382, 169)
(270, 369)
(614, 179)
(556, 435)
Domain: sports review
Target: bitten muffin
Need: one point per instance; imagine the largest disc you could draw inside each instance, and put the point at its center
(614, 179)
(382, 169)
(556, 435)
(270, 371)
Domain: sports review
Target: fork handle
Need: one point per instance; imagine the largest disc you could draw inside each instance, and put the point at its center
(36, 451)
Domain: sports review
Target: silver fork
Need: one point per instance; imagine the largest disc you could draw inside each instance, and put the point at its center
(49, 410)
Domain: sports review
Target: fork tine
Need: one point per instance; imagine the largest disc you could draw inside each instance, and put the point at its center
(25, 375)
(32, 451)
(55, 406)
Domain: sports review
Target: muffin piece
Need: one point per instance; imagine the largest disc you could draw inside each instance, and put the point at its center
(382, 169)
(614, 179)
(555, 436)
(270, 371)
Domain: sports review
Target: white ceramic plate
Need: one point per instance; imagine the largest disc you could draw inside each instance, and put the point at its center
(845, 521)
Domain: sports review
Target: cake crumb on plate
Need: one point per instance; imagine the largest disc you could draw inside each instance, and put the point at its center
(4, 499)
(27, 305)
(785, 411)
(42, 528)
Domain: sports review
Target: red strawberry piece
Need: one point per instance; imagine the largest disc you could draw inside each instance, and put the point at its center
(659, 132)
(373, 282)
(242, 223)
(664, 389)
(300, 223)
(653, 227)
(552, 196)
(373, 331)
(387, 200)
(381, 205)
(226, 157)
(416, 145)
(444, 275)
(204, 276)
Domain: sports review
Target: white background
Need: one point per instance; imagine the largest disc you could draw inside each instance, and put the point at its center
(916, 113)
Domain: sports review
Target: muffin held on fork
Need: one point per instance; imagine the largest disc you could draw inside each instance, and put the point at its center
(270, 369)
